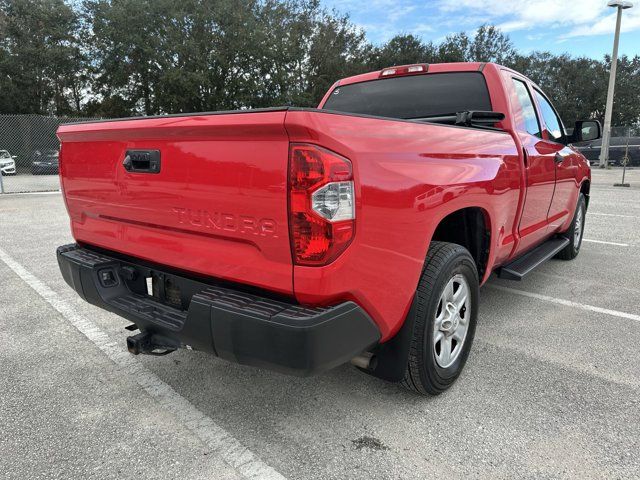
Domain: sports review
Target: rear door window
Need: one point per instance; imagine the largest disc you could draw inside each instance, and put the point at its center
(529, 115)
(416, 96)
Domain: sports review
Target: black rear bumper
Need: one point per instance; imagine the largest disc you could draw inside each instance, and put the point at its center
(247, 328)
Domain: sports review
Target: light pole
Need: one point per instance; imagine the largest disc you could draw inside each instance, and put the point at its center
(606, 134)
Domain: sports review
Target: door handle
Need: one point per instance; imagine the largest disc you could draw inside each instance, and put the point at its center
(558, 158)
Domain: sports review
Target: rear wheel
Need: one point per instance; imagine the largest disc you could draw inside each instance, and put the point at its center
(575, 232)
(445, 319)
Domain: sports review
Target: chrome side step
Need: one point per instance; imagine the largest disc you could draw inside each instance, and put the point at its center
(521, 266)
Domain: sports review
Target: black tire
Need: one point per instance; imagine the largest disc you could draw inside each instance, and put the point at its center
(444, 261)
(575, 241)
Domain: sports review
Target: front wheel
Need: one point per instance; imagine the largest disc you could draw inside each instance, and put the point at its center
(445, 319)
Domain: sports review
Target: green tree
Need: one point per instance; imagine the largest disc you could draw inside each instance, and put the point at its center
(116, 58)
(402, 50)
(454, 48)
(336, 50)
(41, 62)
(626, 107)
(574, 85)
(158, 56)
(124, 38)
(490, 45)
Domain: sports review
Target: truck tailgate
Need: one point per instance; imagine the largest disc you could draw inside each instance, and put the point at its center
(217, 205)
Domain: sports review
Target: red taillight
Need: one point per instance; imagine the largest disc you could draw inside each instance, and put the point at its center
(321, 204)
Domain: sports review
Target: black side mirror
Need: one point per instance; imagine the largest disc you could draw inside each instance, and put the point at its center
(586, 131)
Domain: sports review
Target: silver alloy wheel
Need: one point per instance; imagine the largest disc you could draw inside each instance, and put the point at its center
(577, 229)
(452, 321)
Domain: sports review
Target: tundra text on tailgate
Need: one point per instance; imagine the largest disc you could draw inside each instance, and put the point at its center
(301, 239)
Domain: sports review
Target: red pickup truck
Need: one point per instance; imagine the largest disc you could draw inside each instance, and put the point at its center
(299, 239)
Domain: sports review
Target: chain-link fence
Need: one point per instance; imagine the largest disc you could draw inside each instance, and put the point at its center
(625, 146)
(29, 153)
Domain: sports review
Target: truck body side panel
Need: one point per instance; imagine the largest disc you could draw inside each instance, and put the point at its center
(408, 176)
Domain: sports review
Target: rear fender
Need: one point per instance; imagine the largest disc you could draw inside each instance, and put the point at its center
(408, 176)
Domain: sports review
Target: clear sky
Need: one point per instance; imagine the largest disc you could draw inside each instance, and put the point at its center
(578, 27)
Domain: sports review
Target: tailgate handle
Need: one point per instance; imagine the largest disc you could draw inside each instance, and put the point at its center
(142, 161)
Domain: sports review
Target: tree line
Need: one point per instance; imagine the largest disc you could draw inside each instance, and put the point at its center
(116, 58)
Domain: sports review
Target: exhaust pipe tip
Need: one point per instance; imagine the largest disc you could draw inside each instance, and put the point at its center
(365, 361)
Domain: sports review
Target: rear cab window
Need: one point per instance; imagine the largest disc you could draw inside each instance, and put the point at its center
(527, 120)
(413, 97)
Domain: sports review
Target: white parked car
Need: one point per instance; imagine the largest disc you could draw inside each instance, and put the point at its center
(7, 163)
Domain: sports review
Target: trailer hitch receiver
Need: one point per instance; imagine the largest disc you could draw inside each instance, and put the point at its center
(145, 343)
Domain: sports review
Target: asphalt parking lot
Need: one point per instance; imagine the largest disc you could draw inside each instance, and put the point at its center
(551, 389)
(25, 182)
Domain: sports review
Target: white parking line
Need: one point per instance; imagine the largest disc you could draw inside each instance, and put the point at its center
(48, 192)
(598, 190)
(615, 204)
(211, 434)
(612, 215)
(605, 243)
(569, 303)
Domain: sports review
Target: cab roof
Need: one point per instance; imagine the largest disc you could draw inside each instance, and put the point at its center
(431, 68)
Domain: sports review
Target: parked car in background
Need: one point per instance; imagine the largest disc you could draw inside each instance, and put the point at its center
(44, 162)
(617, 150)
(7, 163)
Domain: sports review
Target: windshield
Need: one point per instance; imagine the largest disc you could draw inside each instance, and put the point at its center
(4, 154)
(417, 96)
